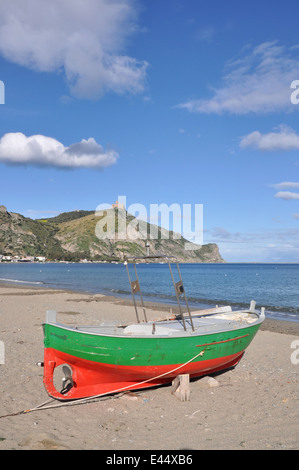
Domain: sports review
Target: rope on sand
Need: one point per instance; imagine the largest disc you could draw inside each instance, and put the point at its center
(80, 401)
(27, 411)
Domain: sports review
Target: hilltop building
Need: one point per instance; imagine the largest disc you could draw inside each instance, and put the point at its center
(118, 205)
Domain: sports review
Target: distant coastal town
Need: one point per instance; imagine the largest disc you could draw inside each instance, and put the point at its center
(25, 259)
(32, 259)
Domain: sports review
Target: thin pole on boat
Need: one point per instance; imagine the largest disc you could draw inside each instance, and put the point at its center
(141, 298)
(132, 292)
(190, 316)
(177, 295)
(178, 287)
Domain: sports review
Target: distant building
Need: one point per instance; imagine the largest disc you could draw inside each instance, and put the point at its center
(26, 259)
(118, 205)
(6, 258)
(40, 259)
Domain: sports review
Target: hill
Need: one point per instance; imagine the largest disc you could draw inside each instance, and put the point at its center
(67, 216)
(72, 236)
(23, 236)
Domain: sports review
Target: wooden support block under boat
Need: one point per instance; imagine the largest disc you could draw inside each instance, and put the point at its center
(181, 387)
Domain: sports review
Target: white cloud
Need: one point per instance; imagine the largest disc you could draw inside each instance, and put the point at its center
(287, 195)
(285, 139)
(286, 185)
(84, 40)
(258, 82)
(18, 149)
(257, 246)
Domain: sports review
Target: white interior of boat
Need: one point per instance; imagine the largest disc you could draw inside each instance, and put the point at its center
(204, 322)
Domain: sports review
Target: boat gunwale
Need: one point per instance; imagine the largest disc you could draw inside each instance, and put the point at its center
(206, 329)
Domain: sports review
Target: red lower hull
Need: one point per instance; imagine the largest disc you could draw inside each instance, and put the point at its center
(93, 379)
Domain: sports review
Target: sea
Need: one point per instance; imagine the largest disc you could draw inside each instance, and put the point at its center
(273, 286)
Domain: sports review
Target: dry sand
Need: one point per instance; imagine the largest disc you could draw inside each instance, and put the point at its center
(254, 406)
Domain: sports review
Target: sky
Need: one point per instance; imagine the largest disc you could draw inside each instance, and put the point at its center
(181, 102)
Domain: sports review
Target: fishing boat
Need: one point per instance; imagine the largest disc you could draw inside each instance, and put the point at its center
(112, 357)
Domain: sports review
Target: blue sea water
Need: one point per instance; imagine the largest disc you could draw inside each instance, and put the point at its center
(273, 286)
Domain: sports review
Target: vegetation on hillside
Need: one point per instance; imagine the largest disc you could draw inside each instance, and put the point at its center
(77, 235)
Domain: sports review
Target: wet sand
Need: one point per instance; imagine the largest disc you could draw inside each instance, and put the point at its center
(254, 406)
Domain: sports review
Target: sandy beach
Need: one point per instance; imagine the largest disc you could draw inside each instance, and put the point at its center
(253, 406)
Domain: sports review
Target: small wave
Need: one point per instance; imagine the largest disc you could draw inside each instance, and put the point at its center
(19, 281)
(119, 291)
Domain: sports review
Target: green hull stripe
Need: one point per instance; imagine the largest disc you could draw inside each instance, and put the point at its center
(146, 351)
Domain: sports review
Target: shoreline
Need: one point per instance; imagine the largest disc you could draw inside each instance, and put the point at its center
(121, 262)
(252, 406)
(287, 327)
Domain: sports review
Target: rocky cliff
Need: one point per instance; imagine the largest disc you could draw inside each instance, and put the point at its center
(84, 234)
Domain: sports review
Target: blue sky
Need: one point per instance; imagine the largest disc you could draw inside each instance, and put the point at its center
(172, 101)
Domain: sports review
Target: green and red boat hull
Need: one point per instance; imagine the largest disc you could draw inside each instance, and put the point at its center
(103, 364)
